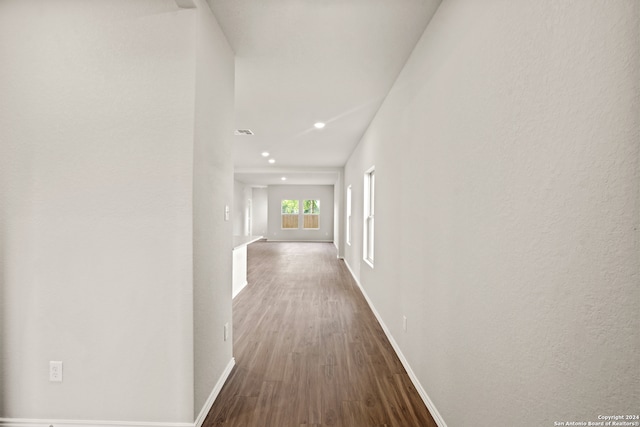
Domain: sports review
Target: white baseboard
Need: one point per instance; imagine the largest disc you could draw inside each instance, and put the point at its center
(237, 291)
(414, 379)
(25, 422)
(300, 241)
(214, 393)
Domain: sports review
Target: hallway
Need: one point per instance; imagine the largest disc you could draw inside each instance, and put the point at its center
(476, 164)
(309, 351)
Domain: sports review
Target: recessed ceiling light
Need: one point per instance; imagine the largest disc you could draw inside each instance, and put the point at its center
(272, 161)
(265, 154)
(284, 178)
(319, 125)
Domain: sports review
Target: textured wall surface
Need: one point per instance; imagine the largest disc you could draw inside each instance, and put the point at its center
(507, 211)
(100, 196)
(212, 191)
(97, 137)
(242, 193)
(259, 215)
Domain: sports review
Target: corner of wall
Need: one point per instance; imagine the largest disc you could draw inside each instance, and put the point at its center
(208, 404)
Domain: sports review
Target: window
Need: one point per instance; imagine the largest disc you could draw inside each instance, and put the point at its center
(311, 210)
(348, 223)
(369, 201)
(290, 211)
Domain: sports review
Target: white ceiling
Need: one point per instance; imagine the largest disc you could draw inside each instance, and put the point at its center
(264, 177)
(303, 61)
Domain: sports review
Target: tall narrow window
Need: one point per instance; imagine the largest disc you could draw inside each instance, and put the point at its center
(348, 222)
(290, 211)
(311, 210)
(369, 203)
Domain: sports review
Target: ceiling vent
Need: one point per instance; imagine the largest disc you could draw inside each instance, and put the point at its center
(243, 132)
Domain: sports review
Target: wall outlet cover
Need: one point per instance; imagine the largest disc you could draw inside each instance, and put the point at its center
(55, 371)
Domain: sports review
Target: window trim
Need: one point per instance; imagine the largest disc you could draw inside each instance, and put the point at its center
(310, 214)
(348, 220)
(368, 232)
(297, 213)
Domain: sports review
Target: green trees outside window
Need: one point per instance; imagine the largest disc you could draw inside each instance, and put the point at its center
(311, 206)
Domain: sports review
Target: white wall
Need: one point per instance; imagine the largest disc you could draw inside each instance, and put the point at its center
(278, 193)
(260, 208)
(241, 195)
(213, 190)
(507, 211)
(339, 207)
(239, 269)
(99, 191)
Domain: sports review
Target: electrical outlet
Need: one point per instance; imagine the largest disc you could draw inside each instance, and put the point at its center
(55, 371)
(404, 323)
(226, 331)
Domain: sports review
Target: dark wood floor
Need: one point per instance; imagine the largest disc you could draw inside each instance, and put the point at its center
(309, 351)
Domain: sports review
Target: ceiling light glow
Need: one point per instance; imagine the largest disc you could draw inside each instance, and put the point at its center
(284, 178)
(272, 161)
(265, 154)
(319, 125)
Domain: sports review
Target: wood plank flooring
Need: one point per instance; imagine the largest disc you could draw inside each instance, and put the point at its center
(309, 351)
